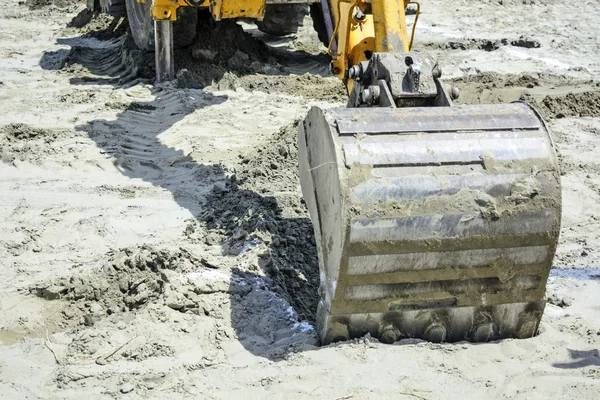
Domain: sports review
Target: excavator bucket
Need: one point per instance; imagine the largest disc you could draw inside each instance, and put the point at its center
(438, 223)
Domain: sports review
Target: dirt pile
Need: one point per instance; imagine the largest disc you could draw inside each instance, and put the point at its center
(99, 26)
(585, 104)
(226, 57)
(220, 47)
(83, 18)
(155, 287)
(273, 167)
(490, 87)
(226, 43)
(18, 131)
(223, 56)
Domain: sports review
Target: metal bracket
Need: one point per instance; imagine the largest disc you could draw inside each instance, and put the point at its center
(397, 80)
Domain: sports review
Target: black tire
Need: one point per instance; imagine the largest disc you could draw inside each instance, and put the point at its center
(93, 5)
(282, 19)
(142, 25)
(316, 13)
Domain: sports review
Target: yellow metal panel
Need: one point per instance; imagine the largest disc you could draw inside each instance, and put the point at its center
(390, 26)
(382, 31)
(341, 11)
(237, 9)
(361, 41)
(165, 9)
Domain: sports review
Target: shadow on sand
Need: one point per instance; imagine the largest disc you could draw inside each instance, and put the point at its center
(209, 193)
(581, 359)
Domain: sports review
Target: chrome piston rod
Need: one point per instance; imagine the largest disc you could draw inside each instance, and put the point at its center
(163, 42)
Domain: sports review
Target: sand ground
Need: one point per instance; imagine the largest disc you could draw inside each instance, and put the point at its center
(153, 243)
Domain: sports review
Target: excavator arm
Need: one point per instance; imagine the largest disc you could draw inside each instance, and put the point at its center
(431, 220)
(362, 28)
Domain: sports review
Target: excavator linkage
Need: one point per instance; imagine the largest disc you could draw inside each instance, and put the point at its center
(431, 220)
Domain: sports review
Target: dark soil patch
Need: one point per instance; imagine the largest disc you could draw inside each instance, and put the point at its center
(221, 47)
(99, 26)
(240, 214)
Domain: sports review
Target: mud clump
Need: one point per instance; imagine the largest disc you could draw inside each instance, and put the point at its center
(83, 18)
(526, 43)
(474, 44)
(148, 350)
(562, 302)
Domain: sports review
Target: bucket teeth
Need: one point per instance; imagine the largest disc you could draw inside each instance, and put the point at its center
(438, 223)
